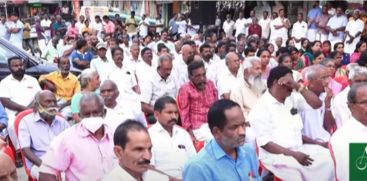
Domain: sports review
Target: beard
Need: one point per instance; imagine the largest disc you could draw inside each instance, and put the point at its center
(257, 84)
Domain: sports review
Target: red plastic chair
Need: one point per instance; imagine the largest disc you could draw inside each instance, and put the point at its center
(17, 121)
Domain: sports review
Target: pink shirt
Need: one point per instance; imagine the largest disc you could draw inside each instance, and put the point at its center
(354, 57)
(73, 31)
(109, 27)
(81, 156)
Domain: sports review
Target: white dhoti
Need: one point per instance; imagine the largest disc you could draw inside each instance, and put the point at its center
(11, 132)
(349, 48)
(311, 34)
(203, 133)
(287, 168)
(42, 44)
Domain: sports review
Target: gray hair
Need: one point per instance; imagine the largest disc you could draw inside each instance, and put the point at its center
(310, 72)
(249, 62)
(325, 61)
(356, 71)
(352, 94)
(91, 96)
(163, 58)
(86, 76)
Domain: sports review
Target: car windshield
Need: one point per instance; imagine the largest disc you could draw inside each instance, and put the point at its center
(5, 53)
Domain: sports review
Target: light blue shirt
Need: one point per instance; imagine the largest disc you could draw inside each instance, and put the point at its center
(36, 134)
(3, 119)
(213, 164)
(312, 14)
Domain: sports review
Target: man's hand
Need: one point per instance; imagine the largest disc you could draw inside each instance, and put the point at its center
(302, 158)
(289, 82)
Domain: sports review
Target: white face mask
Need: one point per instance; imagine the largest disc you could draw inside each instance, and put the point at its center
(92, 123)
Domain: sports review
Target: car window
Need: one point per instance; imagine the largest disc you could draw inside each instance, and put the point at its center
(5, 53)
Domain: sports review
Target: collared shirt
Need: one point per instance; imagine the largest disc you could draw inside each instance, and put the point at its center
(120, 174)
(312, 14)
(3, 120)
(109, 27)
(169, 154)
(254, 29)
(322, 19)
(299, 30)
(143, 29)
(80, 155)
(240, 26)
(122, 112)
(17, 38)
(124, 78)
(21, 92)
(50, 53)
(339, 108)
(336, 22)
(352, 132)
(282, 32)
(313, 122)
(131, 63)
(103, 67)
(36, 134)
(157, 87)
(194, 104)
(168, 44)
(245, 96)
(212, 163)
(228, 27)
(131, 28)
(278, 125)
(65, 87)
(226, 80)
(144, 71)
(180, 70)
(87, 56)
(353, 27)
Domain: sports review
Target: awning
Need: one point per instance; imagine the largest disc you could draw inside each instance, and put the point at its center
(43, 1)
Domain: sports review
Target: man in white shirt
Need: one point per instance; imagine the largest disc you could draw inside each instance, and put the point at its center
(336, 27)
(134, 59)
(228, 26)
(182, 24)
(133, 151)
(353, 33)
(279, 28)
(165, 41)
(172, 145)
(180, 64)
(277, 124)
(118, 112)
(101, 64)
(145, 69)
(143, 26)
(299, 30)
(339, 106)
(16, 31)
(239, 26)
(3, 27)
(318, 122)
(16, 93)
(80, 24)
(124, 78)
(97, 26)
(354, 131)
(265, 25)
(159, 24)
(162, 83)
(231, 75)
(46, 25)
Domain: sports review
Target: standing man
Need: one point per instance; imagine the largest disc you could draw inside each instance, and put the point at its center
(108, 25)
(311, 21)
(172, 145)
(102, 64)
(239, 26)
(16, 93)
(279, 27)
(38, 129)
(225, 157)
(194, 99)
(283, 149)
(254, 28)
(15, 30)
(336, 27)
(131, 24)
(74, 148)
(321, 22)
(143, 26)
(133, 151)
(299, 30)
(265, 25)
(353, 33)
(228, 26)
(354, 131)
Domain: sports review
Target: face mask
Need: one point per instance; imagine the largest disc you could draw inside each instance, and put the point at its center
(48, 113)
(92, 123)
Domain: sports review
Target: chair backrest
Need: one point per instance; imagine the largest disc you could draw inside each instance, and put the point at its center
(8, 151)
(19, 118)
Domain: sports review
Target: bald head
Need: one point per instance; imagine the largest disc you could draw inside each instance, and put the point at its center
(186, 51)
(7, 168)
(232, 62)
(43, 96)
